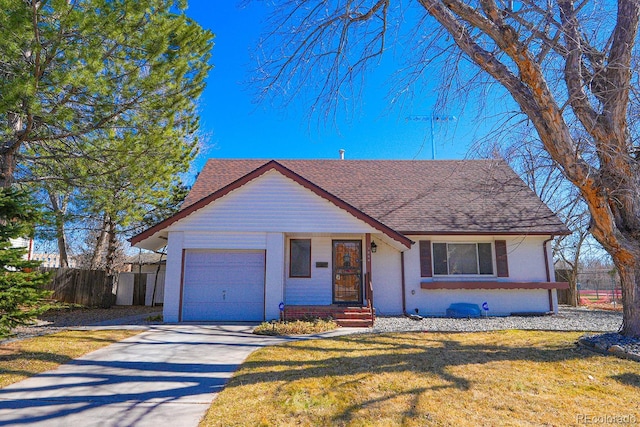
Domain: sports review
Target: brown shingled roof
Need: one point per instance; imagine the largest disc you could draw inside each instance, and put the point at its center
(413, 197)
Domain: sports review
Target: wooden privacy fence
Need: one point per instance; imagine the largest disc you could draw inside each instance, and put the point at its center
(87, 287)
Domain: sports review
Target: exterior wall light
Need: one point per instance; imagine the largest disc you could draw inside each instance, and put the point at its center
(374, 247)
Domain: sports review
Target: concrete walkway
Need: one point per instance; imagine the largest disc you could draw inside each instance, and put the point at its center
(166, 375)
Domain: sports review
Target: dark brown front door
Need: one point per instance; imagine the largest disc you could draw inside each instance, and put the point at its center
(347, 271)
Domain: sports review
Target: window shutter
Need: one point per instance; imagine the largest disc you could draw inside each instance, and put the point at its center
(502, 264)
(425, 258)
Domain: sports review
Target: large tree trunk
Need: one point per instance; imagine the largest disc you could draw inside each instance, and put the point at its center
(8, 151)
(572, 293)
(7, 168)
(59, 208)
(630, 282)
(112, 246)
(101, 242)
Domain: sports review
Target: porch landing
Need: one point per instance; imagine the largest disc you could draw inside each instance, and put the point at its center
(346, 316)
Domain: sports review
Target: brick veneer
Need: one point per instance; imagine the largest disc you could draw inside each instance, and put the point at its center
(343, 315)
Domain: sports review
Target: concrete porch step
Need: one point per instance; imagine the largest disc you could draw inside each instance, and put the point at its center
(353, 315)
(353, 310)
(355, 323)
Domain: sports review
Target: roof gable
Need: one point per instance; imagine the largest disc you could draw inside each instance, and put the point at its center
(258, 173)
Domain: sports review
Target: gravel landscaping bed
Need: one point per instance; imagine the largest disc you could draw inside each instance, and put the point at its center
(568, 319)
(59, 320)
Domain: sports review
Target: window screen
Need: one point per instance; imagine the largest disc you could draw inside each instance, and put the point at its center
(300, 265)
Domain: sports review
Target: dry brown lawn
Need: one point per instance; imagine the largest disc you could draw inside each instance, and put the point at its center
(23, 359)
(504, 378)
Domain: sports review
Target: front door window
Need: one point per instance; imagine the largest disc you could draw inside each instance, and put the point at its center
(347, 271)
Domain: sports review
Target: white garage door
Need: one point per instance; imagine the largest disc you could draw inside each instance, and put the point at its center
(221, 286)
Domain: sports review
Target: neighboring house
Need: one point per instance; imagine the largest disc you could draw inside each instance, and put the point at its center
(321, 235)
(48, 260)
(23, 243)
(146, 262)
(52, 260)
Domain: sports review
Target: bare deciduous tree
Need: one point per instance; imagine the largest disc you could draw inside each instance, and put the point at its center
(533, 164)
(567, 65)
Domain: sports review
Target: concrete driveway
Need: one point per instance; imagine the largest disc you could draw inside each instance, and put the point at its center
(168, 374)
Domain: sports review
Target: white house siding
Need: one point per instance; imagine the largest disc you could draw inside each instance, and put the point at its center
(274, 275)
(212, 240)
(272, 203)
(526, 264)
(387, 279)
(501, 302)
(315, 290)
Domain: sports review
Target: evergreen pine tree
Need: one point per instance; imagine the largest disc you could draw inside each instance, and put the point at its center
(21, 285)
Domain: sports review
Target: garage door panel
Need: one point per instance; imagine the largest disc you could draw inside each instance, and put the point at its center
(204, 293)
(223, 286)
(222, 312)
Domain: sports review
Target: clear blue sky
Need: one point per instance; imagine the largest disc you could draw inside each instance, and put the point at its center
(234, 126)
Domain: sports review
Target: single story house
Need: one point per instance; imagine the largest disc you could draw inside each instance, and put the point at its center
(355, 238)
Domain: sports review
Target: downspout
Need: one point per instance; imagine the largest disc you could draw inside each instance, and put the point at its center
(548, 271)
(404, 299)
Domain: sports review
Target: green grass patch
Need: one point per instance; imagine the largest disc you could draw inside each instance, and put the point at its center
(295, 327)
(506, 378)
(22, 359)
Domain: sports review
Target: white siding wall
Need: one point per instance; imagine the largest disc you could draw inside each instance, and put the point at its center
(526, 258)
(501, 302)
(211, 240)
(526, 263)
(387, 280)
(272, 203)
(274, 275)
(317, 289)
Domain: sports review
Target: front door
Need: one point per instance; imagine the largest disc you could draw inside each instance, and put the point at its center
(347, 271)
